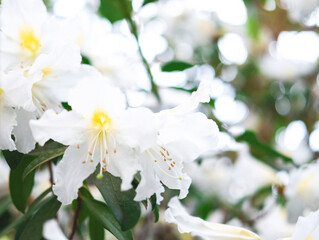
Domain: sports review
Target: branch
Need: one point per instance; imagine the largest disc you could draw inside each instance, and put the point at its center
(75, 219)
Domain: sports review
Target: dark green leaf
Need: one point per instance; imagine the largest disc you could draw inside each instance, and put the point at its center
(175, 66)
(13, 158)
(115, 10)
(66, 106)
(154, 207)
(250, 138)
(96, 230)
(33, 227)
(86, 60)
(50, 145)
(125, 209)
(148, 1)
(20, 188)
(45, 157)
(103, 214)
(33, 207)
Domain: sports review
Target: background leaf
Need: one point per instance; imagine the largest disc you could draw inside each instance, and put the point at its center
(103, 214)
(115, 10)
(176, 66)
(125, 209)
(13, 158)
(33, 227)
(20, 189)
(96, 229)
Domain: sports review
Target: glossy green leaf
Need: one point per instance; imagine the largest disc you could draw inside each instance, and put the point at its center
(45, 157)
(154, 207)
(33, 227)
(13, 158)
(101, 212)
(176, 66)
(20, 189)
(115, 10)
(148, 1)
(96, 229)
(125, 209)
(267, 151)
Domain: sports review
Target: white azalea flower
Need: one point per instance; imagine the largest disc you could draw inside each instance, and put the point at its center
(14, 92)
(26, 31)
(307, 228)
(182, 136)
(99, 130)
(186, 223)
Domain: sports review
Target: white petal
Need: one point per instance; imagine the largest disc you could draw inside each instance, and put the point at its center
(52, 231)
(65, 127)
(124, 164)
(92, 94)
(189, 135)
(137, 127)
(71, 172)
(7, 122)
(186, 223)
(149, 183)
(22, 132)
(307, 227)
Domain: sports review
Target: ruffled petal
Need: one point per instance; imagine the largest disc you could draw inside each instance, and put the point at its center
(125, 165)
(71, 172)
(137, 127)
(66, 127)
(186, 223)
(149, 183)
(7, 122)
(22, 132)
(189, 135)
(93, 94)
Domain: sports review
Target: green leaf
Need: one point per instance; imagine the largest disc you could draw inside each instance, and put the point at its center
(148, 1)
(33, 207)
(20, 188)
(33, 227)
(45, 157)
(115, 10)
(50, 145)
(13, 158)
(105, 217)
(154, 207)
(176, 66)
(96, 229)
(125, 209)
(265, 150)
(5, 203)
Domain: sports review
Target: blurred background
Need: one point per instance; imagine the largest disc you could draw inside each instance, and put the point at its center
(261, 57)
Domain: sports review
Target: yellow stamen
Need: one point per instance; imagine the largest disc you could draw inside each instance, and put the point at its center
(29, 41)
(101, 120)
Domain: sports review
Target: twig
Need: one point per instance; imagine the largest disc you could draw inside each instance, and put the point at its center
(51, 172)
(75, 219)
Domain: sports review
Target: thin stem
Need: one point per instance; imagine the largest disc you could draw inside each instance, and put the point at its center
(134, 31)
(51, 172)
(76, 216)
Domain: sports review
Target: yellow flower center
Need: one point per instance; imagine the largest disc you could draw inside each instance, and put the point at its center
(29, 41)
(1, 91)
(46, 71)
(101, 120)
(309, 238)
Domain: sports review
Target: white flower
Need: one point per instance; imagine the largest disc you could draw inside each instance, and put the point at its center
(26, 31)
(186, 223)
(14, 92)
(182, 136)
(99, 130)
(52, 230)
(307, 228)
(302, 191)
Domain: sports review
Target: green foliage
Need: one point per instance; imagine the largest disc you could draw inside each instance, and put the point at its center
(102, 213)
(154, 207)
(13, 158)
(33, 227)
(20, 188)
(115, 10)
(262, 151)
(125, 209)
(43, 158)
(96, 229)
(148, 1)
(176, 66)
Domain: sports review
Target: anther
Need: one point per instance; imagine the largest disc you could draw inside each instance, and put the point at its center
(91, 160)
(42, 109)
(90, 153)
(77, 146)
(43, 105)
(104, 160)
(155, 160)
(114, 151)
(107, 152)
(83, 162)
(162, 154)
(169, 168)
(59, 106)
(167, 153)
(172, 164)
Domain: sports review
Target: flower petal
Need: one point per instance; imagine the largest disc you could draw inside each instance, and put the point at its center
(65, 127)
(7, 122)
(71, 172)
(22, 132)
